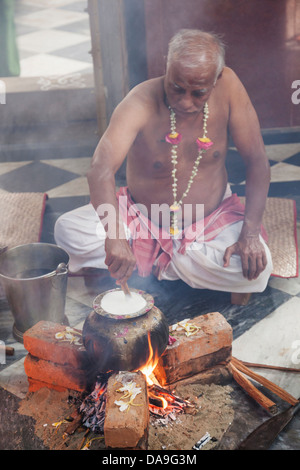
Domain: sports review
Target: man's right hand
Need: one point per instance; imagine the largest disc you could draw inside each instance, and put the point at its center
(119, 259)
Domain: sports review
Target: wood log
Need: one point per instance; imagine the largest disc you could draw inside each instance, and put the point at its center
(9, 350)
(272, 367)
(75, 423)
(265, 382)
(249, 388)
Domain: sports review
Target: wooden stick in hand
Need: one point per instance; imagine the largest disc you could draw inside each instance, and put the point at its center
(125, 289)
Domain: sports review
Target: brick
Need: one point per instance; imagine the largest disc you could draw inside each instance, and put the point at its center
(35, 385)
(56, 375)
(190, 355)
(40, 342)
(218, 375)
(126, 429)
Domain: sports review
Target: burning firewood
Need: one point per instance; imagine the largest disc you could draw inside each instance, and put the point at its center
(163, 403)
(92, 408)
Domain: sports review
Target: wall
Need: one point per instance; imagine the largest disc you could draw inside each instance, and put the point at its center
(262, 40)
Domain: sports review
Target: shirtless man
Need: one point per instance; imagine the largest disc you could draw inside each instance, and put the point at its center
(195, 75)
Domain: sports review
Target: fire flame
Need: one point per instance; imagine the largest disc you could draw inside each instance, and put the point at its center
(150, 365)
(100, 391)
(147, 370)
(161, 402)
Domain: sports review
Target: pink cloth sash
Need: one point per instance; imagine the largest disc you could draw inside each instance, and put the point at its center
(151, 243)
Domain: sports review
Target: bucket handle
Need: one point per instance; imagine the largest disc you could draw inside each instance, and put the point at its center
(60, 270)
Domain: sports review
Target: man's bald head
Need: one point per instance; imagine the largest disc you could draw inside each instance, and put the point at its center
(195, 48)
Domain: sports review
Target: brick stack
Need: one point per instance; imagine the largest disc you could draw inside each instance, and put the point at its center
(53, 362)
(202, 351)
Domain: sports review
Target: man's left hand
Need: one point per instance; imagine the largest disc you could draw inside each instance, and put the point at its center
(252, 253)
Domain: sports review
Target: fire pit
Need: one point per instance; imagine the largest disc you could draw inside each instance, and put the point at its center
(123, 406)
(162, 404)
(145, 408)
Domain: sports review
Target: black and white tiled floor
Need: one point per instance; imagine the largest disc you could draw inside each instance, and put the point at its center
(267, 330)
(53, 37)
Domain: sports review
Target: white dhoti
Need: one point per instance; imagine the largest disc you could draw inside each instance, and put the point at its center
(81, 233)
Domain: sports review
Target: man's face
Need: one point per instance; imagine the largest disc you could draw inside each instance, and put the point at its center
(187, 89)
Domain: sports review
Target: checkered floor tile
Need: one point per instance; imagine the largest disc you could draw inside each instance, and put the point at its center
(53, 36)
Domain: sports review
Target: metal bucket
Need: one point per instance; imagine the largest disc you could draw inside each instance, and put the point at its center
(34, 277)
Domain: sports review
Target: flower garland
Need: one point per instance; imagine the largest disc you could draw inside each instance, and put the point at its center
(70, 335)
(130, 392)
(174, 138)
(186, 325)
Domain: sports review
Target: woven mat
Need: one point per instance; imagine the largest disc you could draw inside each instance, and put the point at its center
(280, 222)
(21, 218)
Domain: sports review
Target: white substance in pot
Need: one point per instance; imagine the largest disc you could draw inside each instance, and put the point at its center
(117, 303)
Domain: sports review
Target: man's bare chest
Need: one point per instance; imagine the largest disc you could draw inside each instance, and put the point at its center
(155, 154)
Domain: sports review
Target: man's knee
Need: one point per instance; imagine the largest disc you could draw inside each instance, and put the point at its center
(60, 229)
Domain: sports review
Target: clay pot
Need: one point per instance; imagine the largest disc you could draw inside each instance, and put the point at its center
(122, 344)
